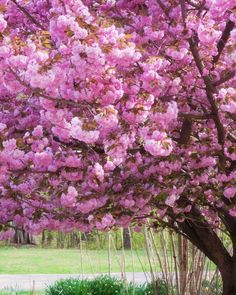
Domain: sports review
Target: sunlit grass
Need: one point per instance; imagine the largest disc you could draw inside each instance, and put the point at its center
(67, 261)
(17, 292)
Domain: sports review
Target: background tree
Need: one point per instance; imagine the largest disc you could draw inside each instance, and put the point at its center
(21, 237)
(126, 238)
(113, 112)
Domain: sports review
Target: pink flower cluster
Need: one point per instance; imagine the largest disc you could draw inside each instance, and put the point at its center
(69, 199)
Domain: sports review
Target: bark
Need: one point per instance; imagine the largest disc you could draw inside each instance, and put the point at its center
(126, 238)
(49, 238)
(229, 283)
(21, 237)
(43, 239)
(205, 239)
(228, 273)
(183, 263)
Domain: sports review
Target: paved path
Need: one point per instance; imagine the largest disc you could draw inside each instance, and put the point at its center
(39, 282)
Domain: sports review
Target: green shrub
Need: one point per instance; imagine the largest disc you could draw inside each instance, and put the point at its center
(69, 287)
(103, 285)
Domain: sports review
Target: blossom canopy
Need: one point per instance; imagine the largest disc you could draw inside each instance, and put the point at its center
(112, 112)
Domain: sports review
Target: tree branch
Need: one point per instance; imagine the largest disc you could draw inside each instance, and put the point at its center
(28, 15)
(185, 132)
(80, 145)
(205, 239)
(209, 91)
(195, 116)
(223, 40)
(164, 8)
(184, 11)
(226, 77)
(197, 6)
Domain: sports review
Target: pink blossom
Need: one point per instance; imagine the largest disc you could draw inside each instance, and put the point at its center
(230, 107)
(170, 201)
(127, 203)
(78, 133)
(2, 127)
(3, 23)
(10, 144)
(87, 206)
(177, 53)
(43, 160)
(124, 221)
(40, 81)
(126, 56)
(229, 192)
(109, 166)
(73, 161)
(6, 235)
(5, 51)
(207, 34)
(158, 148)
(99, 172)
(106, 222)
(232, 212)
(69, 199)
(38, 131)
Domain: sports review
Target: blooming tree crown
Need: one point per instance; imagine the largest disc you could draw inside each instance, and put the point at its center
(116, 111)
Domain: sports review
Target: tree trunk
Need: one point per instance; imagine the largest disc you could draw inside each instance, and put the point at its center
(183, 263)
(21, 237)
(228, 273)
(206, 240)
(229, 283)
(126, 239)
(43, 239)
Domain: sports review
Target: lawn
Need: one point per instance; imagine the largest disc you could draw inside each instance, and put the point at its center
(16, 292)
(67, 261)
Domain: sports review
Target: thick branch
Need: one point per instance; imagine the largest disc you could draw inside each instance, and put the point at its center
(223, 40)
(209, 91)
(226, 77)
(185, 132)
(195, 116)
(206, 239)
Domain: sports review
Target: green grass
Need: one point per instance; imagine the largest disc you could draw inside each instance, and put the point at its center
(63, 261)
(68, 261)
(16, 292)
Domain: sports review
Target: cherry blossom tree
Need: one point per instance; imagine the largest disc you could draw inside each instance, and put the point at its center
(119, 112)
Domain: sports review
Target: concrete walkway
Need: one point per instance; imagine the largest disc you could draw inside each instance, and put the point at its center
(39, 282)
